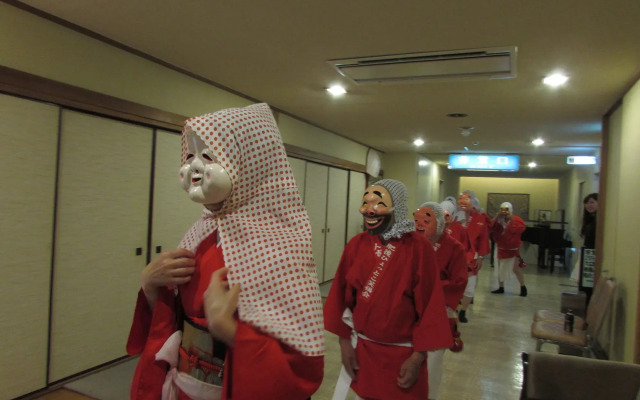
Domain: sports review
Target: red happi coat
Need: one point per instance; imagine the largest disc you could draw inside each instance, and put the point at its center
(459, 233)
(256, 367)
(508, 238)
(478, 232)
(451, 259)
(406, 304)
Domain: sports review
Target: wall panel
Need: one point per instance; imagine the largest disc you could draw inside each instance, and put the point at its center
(28, 141)
(102, 219)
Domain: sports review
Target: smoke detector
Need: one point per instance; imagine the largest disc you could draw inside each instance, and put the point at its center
(466, 130)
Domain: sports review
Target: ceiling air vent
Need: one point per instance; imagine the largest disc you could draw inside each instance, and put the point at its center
(487, 63)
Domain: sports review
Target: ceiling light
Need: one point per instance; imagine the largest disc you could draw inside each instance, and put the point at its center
(336, 90)
(418, 142)
(555, 80)
(423, 163)
(537, 142)
(532, 164)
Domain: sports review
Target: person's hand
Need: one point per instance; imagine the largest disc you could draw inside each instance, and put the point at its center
(173, 267)
(349, 359)
(479, 261)
(220, 304)
(410, 369)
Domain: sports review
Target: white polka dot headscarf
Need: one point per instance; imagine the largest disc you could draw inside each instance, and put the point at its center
(399, 197)
(263, 227)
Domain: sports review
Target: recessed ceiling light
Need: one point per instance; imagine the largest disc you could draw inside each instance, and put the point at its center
(418, 142)
(537, 142)
(532, 164)
(555, 80)
(337, 90)
(423, 163)
(457, 115)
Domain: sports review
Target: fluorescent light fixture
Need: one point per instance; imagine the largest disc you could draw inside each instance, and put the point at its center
(532, 164)
(423, 163)
(484, 162)
(337, 90)
(418, 142)
(555, 80)
(581, 160)
(537, 142)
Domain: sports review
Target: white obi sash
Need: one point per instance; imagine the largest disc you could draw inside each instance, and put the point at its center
(192, 387)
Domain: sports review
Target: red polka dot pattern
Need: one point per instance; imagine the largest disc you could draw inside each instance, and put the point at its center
(263, 227)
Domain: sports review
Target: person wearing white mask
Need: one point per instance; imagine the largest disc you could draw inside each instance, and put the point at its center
(235, 312)
(507, 231)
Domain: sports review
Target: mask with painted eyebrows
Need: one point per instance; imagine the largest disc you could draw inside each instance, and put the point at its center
(377, 210)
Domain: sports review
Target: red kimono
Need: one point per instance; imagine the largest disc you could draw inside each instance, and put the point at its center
(450, 256)
(256, 367)
(508, 238)
(395, 295)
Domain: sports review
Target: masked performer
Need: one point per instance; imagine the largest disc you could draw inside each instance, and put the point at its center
(242, 318)
(387, 292)
(472, 218)
(507, 230)
(452, 263)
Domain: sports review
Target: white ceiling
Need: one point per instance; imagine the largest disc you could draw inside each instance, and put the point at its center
(277, 51)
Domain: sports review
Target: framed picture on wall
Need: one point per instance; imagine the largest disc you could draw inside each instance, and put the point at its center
(519, 201)
(544, 217)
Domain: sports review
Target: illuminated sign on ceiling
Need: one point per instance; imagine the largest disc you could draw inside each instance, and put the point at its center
(484, 162)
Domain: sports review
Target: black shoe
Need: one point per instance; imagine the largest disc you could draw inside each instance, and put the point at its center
(523, 291)
(462, 316)
(501, 290)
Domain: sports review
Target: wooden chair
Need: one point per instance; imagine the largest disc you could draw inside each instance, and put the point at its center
(545, 331)
(558, 317)
(561, 377)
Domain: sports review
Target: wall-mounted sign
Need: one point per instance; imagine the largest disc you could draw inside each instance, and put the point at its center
(581, 160)
(484, 162)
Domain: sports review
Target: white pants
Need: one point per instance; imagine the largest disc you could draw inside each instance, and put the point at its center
(435, 366)
(470, 290)
(505, 266)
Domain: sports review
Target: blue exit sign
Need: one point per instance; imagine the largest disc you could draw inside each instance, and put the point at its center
(484, 162)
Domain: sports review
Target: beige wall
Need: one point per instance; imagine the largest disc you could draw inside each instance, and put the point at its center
(37, 46)
(422, 181)
(621, 247)
(543, 193)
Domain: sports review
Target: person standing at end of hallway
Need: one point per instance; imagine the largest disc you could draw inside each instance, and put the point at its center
(451, 259)
(470, 215)
(507, 230)
(386, 302)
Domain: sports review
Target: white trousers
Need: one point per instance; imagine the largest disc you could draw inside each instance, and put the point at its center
(505, 267)
(470, 290)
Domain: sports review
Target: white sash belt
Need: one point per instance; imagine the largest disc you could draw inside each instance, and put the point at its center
(344, 380)
(192, 387)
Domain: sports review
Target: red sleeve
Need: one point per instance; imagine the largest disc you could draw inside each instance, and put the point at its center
(482, 244)
(261, 367)
(432, 331)
(495, 226)
(338, 299)
(140, 326)
(454, 286)
(516, 227)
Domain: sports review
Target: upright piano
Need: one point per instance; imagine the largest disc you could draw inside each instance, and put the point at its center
(550, 241)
